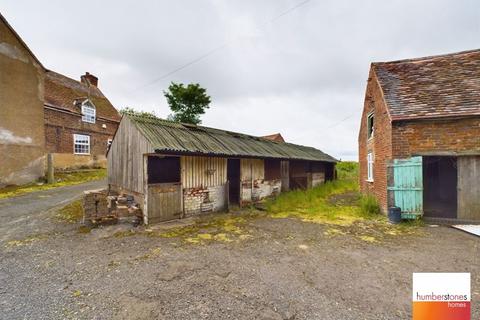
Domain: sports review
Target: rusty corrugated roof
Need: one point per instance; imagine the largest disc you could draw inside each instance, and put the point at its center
(61, 92)
(167, 136)
(439, 86)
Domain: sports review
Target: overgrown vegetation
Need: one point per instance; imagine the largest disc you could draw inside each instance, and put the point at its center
(347, 170)
(61, 179)
(128, 110)
(339, 205)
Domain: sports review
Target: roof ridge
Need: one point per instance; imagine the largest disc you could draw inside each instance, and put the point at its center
(188, 125)
(426, 58)
(96, 90)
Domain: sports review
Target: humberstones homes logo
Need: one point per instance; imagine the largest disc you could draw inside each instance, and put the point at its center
(441, 296)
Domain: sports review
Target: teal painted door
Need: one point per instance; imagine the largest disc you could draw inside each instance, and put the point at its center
(406, 186)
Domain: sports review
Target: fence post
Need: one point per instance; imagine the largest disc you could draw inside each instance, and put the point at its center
(50, 170)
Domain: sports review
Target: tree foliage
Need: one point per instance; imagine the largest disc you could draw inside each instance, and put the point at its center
(187, 103)
(128, 110)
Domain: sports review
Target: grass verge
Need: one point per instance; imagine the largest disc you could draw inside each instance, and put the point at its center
(340, 206)
(61, 179)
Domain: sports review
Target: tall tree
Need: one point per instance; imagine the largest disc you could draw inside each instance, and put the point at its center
(187, 103)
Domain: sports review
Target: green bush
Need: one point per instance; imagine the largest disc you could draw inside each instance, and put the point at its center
(369, 205)
(347, 170)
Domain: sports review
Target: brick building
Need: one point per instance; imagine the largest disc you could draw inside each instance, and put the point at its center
(419, 139)
(175, 170)
(79, 121)
(22, 136)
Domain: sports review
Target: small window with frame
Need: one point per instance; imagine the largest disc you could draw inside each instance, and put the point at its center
(88, 112)
(370, 167)
(370, 125)
(81, 144)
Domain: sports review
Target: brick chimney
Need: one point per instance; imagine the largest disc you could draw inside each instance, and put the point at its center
(89, 79)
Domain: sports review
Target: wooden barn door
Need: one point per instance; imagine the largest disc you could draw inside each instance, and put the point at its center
(469, 187)
(405, 186)
(164, 202)
(164, 189)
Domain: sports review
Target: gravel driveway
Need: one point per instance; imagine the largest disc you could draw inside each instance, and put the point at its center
(26, 214)
(241, 267)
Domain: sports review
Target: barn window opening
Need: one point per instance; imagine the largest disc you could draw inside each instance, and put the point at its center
(370, 121)
(272, 169)
(163, 169)
(316, 167)
(81, 144)
(370, 166)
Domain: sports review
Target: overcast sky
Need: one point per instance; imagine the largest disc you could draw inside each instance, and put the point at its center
(291, 66)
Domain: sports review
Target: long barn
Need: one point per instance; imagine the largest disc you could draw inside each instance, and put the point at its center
(175, 170)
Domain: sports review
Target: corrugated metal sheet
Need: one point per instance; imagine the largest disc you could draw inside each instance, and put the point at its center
(168, 136)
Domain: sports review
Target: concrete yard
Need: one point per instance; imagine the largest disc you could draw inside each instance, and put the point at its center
(237, 266)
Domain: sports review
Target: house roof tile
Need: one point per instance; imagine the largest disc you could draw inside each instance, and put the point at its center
(431, 87)
(62, 92)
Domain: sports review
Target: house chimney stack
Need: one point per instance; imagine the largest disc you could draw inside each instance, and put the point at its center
(89, 79)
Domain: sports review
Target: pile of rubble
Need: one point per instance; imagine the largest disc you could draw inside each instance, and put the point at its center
(100, 207)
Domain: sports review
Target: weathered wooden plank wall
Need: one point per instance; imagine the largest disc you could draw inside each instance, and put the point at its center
(285, 175)
(203, 171)
(468, 187)
(252, 169)
(125, 158)
(164, 202)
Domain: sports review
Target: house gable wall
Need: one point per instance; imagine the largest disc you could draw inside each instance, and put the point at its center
(380, 144)
(22, 139)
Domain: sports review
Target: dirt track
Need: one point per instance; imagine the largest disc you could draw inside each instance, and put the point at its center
(258, 267)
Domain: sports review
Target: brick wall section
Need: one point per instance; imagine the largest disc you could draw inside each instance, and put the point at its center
(426, 136)
(60, 127)
(203, 200)
(261, 189)
(380, 144)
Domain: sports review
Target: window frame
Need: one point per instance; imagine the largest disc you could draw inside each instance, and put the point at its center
(79, 136)
(370, 128)
(370, 163)
(87, 105)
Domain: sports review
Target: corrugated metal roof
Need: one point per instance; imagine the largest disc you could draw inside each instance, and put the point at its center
(168, 136)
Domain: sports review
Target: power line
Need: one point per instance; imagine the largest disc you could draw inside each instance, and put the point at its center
(337, 123)
(212, 51)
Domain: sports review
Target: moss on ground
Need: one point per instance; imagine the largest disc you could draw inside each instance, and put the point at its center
(207, 229)
(61, 179)
(72, 212)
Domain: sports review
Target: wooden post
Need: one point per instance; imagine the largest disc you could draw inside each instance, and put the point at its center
(227, 196)
(50, 170)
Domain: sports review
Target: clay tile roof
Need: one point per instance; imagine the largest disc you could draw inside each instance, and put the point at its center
(432, 87)
(275, 137)
(62, 92)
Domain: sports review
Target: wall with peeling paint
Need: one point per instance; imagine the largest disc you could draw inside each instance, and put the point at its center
(22, 138)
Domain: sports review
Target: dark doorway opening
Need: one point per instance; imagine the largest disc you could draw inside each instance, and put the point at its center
(233, 176)
(440, 187)
(163, 169)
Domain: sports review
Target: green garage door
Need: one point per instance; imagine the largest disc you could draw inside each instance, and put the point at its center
(406, 186)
